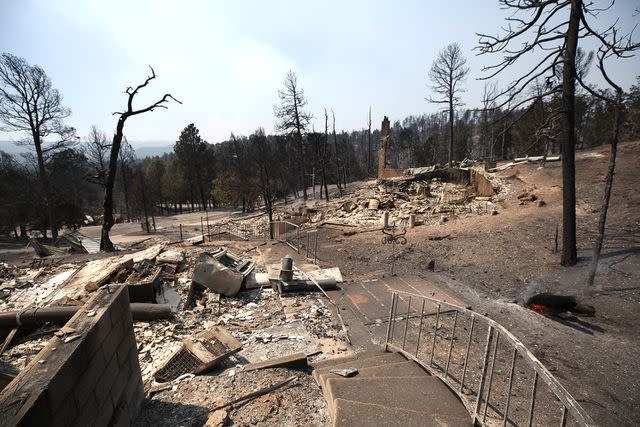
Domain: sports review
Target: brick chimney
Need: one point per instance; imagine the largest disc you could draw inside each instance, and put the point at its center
(384, 144)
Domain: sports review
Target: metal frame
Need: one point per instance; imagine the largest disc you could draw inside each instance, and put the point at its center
(286, 232)
(489, 376)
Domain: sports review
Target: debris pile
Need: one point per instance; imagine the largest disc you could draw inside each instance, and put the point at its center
(418, 194)
(208, 313)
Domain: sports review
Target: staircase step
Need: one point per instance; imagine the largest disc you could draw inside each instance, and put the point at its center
(357, 414)
(407, 368)
(359, 363)
(422, 393)
(342, 359)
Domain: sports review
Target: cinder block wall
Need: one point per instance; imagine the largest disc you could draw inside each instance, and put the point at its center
(93, 380)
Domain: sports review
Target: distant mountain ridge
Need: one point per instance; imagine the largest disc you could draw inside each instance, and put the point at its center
(150, 151)
(141, 151)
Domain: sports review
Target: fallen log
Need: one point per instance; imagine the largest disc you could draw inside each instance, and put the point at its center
(37, 316)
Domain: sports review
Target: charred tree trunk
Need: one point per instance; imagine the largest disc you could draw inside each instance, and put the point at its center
(335, 146)
(105, 242)
(369, 147)
(569, 250)
(46, 188)
(451, 130)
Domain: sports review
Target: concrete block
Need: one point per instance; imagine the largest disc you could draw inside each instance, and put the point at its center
(65, 413)
(88, 412)
(104, 384)
(87, 382)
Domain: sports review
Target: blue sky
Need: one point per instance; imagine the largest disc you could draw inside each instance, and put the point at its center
(225, 60)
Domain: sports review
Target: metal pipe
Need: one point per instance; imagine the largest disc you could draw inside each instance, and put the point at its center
(37, 316)
(435, 335)
(485, 362)
(533, 398)
(466, 357)
(420, 328)
(493, 365)
(513, 366)
(406, 324)
(386, 341)
(453, 335)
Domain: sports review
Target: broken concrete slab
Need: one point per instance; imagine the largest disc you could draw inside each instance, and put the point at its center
(148, 254)
(212, 274)
(292, 361)
(171, 256)
(108, 270)
(326, 273)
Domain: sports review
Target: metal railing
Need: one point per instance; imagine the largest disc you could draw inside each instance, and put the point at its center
(496, 377)
(312, 246)
(286, 232)
(235, 230)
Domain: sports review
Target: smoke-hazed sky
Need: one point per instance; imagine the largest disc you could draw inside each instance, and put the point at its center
(225, 60)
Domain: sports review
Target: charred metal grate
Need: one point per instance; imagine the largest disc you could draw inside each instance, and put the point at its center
(182, 362)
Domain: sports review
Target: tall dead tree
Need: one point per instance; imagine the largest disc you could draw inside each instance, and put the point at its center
(617, 47)
(96, 149)
(552, 30)
(447, 73)
(487, 125)
(29, 103)
(335, 146)
(323, 156)
(293, 120)
(259, 140)
(369, 146)
(105, 243)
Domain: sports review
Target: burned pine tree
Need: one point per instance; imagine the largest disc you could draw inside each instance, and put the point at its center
(105, 243)
(30, 104)
(447, 73)
(552, 30)
(260, 145)
(293, 120)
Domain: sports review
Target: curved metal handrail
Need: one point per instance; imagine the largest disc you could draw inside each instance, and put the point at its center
(569, 405)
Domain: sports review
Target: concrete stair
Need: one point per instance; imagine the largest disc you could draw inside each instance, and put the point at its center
(388, 390)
